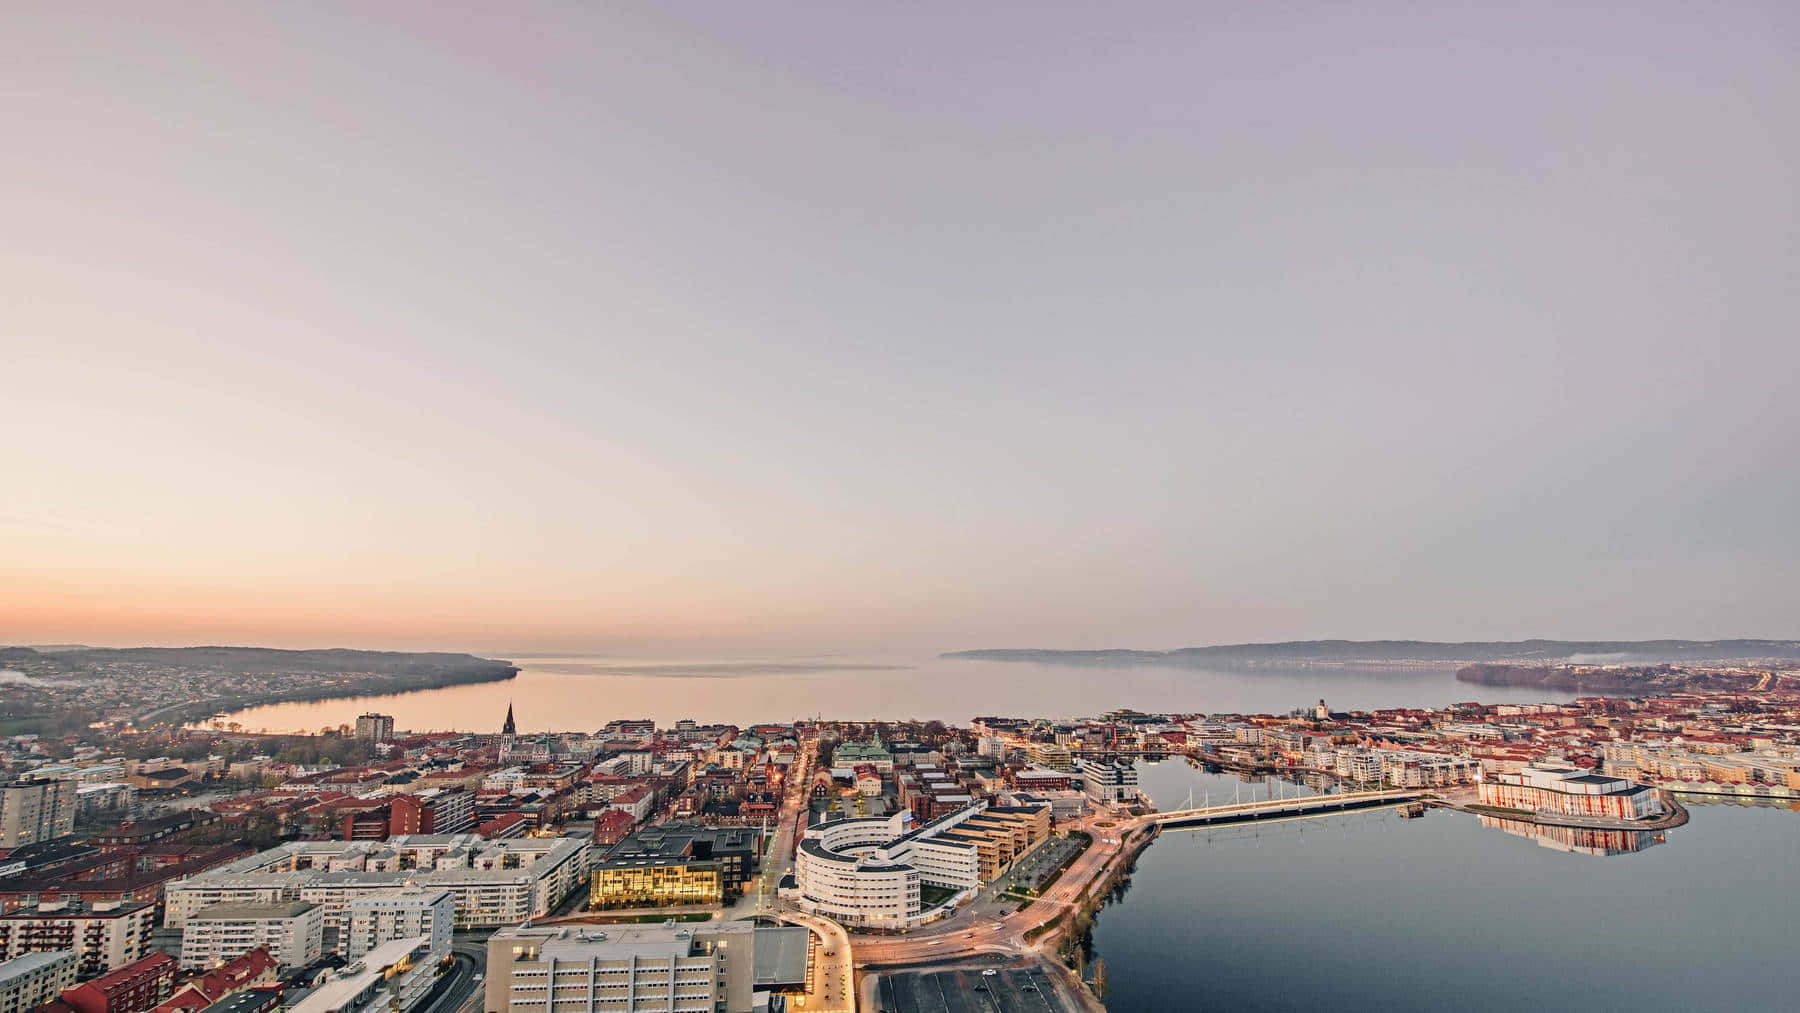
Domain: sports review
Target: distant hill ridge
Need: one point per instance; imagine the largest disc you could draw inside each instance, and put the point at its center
(1316, 652)
(263, 659)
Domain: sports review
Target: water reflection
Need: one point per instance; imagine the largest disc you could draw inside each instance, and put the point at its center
(1577, 840)
(581, 694)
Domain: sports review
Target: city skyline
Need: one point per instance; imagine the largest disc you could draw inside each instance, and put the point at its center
(691, 330)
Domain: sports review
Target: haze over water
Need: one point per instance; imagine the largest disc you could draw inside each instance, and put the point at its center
(583, 693)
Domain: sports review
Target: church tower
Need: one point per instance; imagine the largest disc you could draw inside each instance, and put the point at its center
(509, 729)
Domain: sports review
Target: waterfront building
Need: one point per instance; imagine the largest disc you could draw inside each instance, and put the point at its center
(1570, 791)
(868, 872)
(138, 986)
(292, 931)
(1064, 805)
(406, 914)
(375, 727)
(709, 967)
(103, 936)
(32, 979)
(1108, 783)
(1407, 769)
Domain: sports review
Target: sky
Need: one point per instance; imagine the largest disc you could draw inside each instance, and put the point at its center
(696, 327)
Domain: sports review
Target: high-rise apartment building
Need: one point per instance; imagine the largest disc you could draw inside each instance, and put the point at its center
(432, 811)
(375, 727)
(34, 811)
(103, 936)
(409, 914)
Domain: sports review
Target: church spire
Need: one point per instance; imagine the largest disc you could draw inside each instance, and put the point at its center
(509, 729)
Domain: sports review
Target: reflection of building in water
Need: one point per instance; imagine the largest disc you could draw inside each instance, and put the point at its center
(1578, 840)
(1319, 782)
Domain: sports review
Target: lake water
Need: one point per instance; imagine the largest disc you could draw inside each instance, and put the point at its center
(575, 694)
(1369, 911)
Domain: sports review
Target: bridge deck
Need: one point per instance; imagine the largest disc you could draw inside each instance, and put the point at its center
(1281, 807)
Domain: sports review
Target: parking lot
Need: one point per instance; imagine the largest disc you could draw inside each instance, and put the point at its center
(1033, 868)
(970, 991)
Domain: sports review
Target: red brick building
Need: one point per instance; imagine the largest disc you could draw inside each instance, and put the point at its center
(440, 811)
(254, 968)
(138, 986)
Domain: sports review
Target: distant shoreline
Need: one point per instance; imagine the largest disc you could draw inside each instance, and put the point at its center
(201, 712)
(1421, 654)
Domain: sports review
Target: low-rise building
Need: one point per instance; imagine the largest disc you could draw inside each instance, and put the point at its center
(235, 976)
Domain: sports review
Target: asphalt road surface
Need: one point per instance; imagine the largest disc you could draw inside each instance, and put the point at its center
(1027, 990)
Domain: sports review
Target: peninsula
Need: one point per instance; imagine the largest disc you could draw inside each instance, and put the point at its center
(69, 684)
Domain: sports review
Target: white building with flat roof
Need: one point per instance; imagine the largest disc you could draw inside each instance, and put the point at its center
(501, 882)
(29, 981)
(705, 968)
(293, 931)
(405, 914)
(391, 978)
(1108, 783)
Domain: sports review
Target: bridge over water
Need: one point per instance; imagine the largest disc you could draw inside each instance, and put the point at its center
(1280, 808)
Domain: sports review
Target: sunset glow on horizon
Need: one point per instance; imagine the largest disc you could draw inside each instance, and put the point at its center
(786, 327)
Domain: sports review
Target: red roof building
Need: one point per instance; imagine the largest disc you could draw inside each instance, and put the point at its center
(612, 826)
(254, 968)
(137, 986)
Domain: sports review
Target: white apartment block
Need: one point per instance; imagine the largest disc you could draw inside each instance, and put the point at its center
(408, 914)
(293, 931)
(686, 969)
(29, 981)
(103, 936)
(1109, 782)
(499, 882)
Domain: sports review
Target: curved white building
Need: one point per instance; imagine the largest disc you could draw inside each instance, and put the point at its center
(867, 872)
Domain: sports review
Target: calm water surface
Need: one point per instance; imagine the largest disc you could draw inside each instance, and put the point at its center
(573, 694)
(1369, 911)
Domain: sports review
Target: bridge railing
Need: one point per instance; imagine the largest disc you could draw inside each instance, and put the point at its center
(1304, 802)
